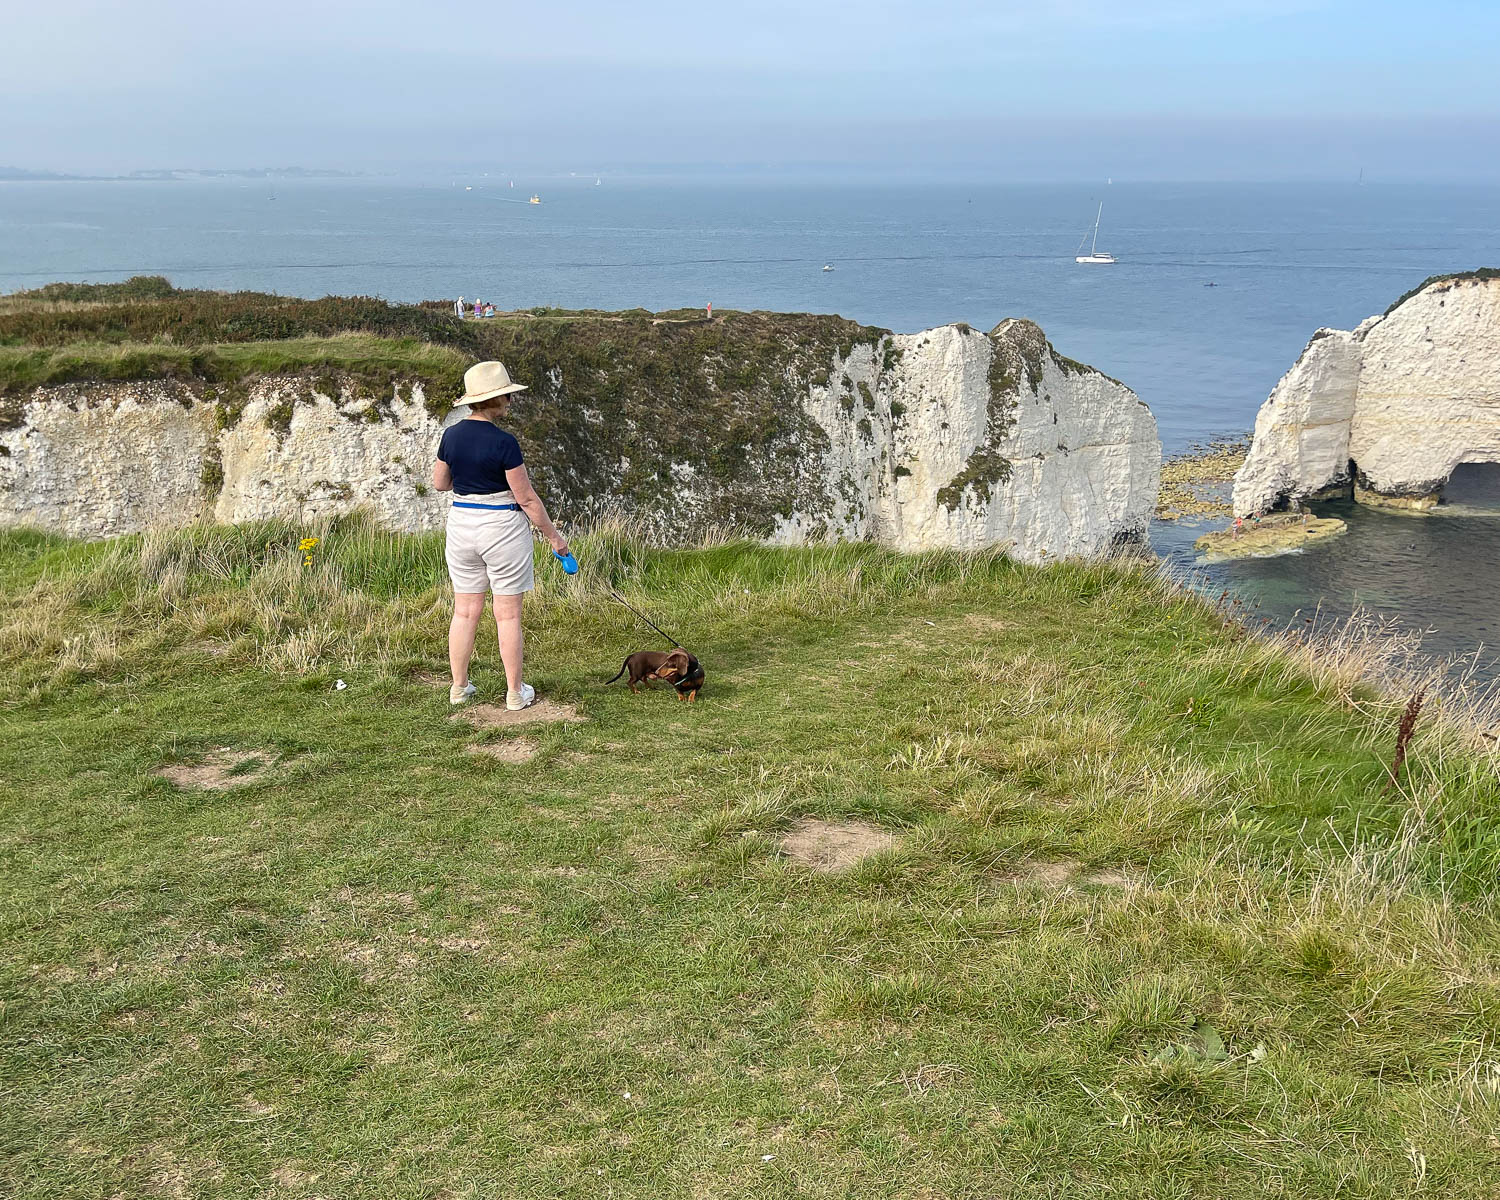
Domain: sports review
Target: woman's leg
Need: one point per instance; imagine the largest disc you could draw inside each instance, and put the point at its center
(508, 627)
(468, 607)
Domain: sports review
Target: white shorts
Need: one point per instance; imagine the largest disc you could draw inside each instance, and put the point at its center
(489, 549)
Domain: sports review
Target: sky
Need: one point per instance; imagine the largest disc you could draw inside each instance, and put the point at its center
(1040, 90)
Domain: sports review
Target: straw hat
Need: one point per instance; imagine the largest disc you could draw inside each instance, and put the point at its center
(485, 380)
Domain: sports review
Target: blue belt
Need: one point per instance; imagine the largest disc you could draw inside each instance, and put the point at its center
(471, 504)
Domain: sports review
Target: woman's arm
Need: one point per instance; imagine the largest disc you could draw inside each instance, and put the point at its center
(531, 504)
(442, 476)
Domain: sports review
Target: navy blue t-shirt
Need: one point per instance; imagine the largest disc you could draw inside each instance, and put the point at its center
(478, 454)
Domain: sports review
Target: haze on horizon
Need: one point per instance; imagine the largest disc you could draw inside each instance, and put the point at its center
(1048, 90)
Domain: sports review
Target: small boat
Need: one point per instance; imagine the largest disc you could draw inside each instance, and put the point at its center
(597, 182)
(467, 188)
(1095, 255)
(827, 266)
(535, 199)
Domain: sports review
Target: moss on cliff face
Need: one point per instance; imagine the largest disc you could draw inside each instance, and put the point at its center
(1021, 350)
(1014, 351)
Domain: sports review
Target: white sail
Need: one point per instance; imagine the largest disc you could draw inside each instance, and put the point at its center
(1094, 255)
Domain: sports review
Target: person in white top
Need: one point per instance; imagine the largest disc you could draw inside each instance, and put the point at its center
(458, 308)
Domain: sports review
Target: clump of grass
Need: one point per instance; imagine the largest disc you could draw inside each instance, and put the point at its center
(376, 362)
(148, 310)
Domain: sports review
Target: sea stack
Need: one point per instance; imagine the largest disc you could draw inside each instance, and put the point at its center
(1388, 411)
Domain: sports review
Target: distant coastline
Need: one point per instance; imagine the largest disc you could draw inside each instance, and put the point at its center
(22, 175)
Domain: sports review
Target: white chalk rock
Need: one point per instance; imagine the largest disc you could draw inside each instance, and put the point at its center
(974, 440)
(1301, 442)
(947, 438)
(1405, 398)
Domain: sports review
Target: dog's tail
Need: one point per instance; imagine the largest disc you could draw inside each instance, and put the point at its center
(621, 671)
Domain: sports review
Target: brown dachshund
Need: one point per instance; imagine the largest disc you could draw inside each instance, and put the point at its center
(677, 667)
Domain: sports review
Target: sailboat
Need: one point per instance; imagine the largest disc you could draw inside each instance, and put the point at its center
(1094, 255)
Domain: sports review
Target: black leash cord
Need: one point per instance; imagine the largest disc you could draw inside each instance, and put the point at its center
(644, 617)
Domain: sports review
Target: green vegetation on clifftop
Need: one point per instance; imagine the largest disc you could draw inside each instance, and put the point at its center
(1148, 920)
(629, 405)
(1481, 274)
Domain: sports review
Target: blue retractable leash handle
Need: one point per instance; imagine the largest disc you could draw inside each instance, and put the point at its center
(569, 563)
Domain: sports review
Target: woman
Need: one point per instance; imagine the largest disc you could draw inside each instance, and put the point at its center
(489, 533)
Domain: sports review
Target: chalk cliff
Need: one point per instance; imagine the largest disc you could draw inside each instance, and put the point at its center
(946, 438)
(1388, 410)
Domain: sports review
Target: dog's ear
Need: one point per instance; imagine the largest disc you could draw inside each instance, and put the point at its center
(675, 666)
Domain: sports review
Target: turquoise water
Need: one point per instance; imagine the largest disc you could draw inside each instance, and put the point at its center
(1284, 259)
(1435, 574)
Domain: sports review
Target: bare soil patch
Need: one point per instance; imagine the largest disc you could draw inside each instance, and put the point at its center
(496, 716)
(830, 846)
(1069, 872)
(219, 769)
(514, 751)
(292, 1178)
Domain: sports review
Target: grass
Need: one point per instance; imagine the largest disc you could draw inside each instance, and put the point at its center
(1481, 275)
(148, 310)
(1152, 926)
(359, 354)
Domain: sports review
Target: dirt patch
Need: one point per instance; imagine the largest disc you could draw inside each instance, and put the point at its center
(292, 1178)
(515, 751)
(495, 716)
(1053, 874)
(219, 769)
(1069, 872)
(830, 846)
(1111, 877)
(463, 945)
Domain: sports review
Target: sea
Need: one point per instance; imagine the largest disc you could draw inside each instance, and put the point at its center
(1216, 290)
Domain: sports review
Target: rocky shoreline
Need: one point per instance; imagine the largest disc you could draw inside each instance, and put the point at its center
(1196, 482)
(1280, 533)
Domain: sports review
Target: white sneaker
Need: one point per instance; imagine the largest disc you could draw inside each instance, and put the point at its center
(457, 695)
(515, 701)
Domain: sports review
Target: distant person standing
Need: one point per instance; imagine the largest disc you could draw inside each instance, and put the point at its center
(458, 308)
(709, 310)
(478, 308)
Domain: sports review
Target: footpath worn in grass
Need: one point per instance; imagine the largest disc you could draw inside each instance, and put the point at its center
(1153, 924)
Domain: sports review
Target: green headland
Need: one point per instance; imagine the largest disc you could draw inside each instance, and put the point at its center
(962, 878)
